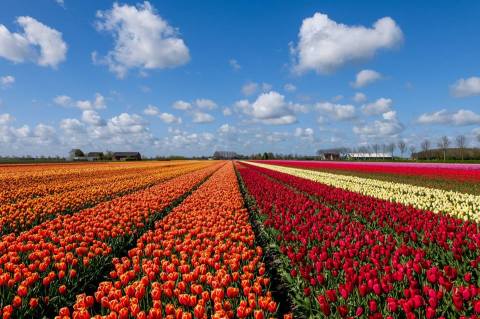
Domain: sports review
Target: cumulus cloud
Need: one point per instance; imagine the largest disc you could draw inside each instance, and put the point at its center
(227, 111)
(340, 112)
(38, 43)
(182, 105)
(234, 64)
(6, 118)
(151, 110)
(325, 45)
(165, 117)
(304, 133)
(227, 129)
(366, 77)
(359, 97)
(181, 140)
(466, 87)
(72, 126)
(92, 117)
(289, 87)
(380, 106)
(202, 117)
(169, 118)
(205, 104)
(143, 39)
(6, 81)
(271, 108)
(249, 88)
(461, 117)
(389, 126)
(97, 103)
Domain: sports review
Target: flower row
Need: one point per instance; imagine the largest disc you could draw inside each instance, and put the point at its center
(200, 261)
(45, 267)
(459, 172)
(465, 206)
(25, 213)
(20, 182)
(344, 260)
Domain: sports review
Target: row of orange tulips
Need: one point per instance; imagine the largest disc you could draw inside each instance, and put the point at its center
(200, 261)
(25, 181)
(26, 213)
(45, 267)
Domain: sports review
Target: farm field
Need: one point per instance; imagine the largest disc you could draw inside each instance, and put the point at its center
(239, 239)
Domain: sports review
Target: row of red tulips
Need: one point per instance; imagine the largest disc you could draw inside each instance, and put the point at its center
(350, 261)
(459, 172)
(43, 268)
(200, 261)
(429, 230)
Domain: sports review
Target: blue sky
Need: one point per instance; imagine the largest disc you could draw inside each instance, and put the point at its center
(250, 76)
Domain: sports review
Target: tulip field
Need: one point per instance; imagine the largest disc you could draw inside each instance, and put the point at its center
(239, 239)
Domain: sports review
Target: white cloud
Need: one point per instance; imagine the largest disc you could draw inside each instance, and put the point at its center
(271, 108)
(234, 64)
(304, 133)
(182, 105)
(60, 3)
(205, 104)
(337, 111)
(72, 126)
(151, 110)
(44, 134)
(366, 77)
(38, 43)
(92, 117)
(227, 129)
(227, 111)
(389, 126)
(249, 88)
(380, 106)
(466, 87)
(359, 97)
(289, 87)
(202, 117)
(62, 100)
(169, 118)
(461, 117)
(325, 45)
(6, 81)
(143, 39)
(96, 104)
(6, 118)
(165, 117)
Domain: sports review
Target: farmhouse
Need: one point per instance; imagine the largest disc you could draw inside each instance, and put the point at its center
(369, 155)
(123, 156)
(333, 154)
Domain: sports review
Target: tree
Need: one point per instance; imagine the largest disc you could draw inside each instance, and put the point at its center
(461, 144)
(478, 137)
(402, 146)
(412, 149)
(76, 152)
(425, 145)
(391, 148)
(375, 148)
(443, 144)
